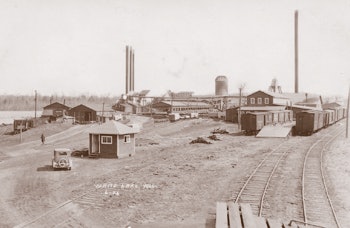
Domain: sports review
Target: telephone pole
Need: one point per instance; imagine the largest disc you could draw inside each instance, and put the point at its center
(35, 103)
(347, 115)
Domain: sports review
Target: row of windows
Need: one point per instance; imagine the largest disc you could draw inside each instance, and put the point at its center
(108, 139)
(266, 100)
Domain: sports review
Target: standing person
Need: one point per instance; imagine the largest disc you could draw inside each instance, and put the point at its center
(43, 138)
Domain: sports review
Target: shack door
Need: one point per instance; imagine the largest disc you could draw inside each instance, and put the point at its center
(95, 144)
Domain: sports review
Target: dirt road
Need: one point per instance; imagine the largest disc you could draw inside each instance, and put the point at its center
(168, 181)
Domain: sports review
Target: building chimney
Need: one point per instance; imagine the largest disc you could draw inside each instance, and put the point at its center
(131, 76)
(296, 83)
(127, 71)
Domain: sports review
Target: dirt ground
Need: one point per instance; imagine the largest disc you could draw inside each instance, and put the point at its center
(168, 181)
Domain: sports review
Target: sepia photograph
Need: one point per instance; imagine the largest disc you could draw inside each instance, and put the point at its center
(174, 114)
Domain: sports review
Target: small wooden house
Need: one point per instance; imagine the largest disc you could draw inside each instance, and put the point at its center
(55, 110)
(112, 140)
(83, 114)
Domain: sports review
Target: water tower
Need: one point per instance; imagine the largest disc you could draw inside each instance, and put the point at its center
(221, 86)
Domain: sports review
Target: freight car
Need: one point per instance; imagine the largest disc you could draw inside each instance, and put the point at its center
(308, 122)
(253, 122)
(22, 125)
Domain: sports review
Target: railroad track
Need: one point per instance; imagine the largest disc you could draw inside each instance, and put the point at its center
(317, 204)
(315, 196)
(255, 187)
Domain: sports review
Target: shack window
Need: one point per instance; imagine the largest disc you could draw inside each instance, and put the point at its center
(252, 100)
(126, 138)
(106, 139)
(266, 100)
(259, 100)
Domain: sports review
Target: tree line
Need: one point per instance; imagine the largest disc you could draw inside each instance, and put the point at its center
(27, 103)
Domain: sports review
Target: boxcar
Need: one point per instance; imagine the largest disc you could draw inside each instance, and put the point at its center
(253, 122)
(328, 117)
(308, 122)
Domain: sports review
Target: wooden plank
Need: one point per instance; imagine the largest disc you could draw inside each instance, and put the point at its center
(274, 223)
(221, 215)
(247, 215)
(234, 215)
(260, 222)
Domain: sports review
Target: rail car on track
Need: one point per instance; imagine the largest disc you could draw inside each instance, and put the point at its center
(253, 122)
(308, 122)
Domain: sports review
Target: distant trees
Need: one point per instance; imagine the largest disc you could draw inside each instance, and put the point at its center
(27, 103)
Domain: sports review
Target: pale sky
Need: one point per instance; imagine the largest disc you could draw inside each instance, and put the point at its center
(73, 47)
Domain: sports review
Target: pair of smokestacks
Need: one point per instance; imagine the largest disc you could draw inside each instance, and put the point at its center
(130, 71)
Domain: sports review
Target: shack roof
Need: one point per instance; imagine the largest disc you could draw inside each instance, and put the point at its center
(55, 105)
(113, 128)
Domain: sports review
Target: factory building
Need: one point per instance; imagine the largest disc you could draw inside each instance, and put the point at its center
(182, 106)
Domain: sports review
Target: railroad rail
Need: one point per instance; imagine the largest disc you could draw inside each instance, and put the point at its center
(256, 185)
(317, 204)
(254, 189)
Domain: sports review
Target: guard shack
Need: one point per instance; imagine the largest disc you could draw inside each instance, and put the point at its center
(112, 140)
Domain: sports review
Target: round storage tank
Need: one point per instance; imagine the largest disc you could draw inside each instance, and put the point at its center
(221, 86)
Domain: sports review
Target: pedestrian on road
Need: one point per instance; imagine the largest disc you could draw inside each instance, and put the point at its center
(43, 138)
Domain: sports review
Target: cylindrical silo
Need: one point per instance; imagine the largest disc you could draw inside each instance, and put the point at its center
(221, 86)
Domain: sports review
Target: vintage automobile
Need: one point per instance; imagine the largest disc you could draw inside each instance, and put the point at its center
(61, 159)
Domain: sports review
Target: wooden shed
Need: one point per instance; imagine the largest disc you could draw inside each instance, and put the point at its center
(112, 140)
(83, 114)
(55, 110)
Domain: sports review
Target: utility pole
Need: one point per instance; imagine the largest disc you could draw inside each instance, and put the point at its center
(240, 104)
(103, 110)
(35, 102)
(239, 108)
(347, 115)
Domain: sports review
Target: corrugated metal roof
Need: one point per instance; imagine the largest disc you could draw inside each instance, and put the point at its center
(113, 128)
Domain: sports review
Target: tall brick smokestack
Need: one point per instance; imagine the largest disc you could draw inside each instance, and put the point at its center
(131, 76)
(296, 82)
(127, 71)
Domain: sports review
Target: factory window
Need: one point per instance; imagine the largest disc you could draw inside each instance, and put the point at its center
(126, 138)
(259, 100)
(106, 139)
(266, 100)
(252, 100)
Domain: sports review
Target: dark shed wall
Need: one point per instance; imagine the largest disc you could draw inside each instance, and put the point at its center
(83, 114)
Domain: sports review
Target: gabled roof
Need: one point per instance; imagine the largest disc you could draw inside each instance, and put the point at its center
(272, 94)
(113, 128)
(56, 103)
(81, 105)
